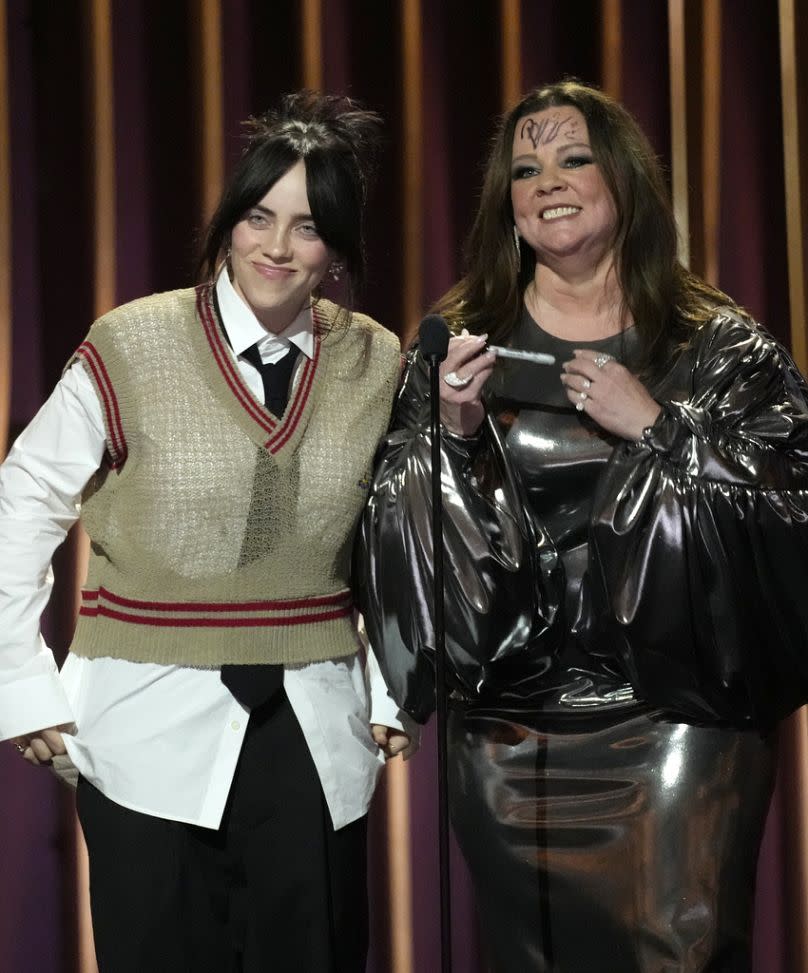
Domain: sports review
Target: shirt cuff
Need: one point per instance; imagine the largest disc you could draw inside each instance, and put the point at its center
(385, 712)
(35, 703)
(663, 434)
(383, 708)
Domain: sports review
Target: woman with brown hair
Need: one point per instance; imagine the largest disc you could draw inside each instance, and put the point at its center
(626, 539)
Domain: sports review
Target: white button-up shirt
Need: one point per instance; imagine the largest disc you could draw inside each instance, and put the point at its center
(163, 740)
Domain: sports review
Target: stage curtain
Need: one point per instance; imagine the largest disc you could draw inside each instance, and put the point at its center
(118, 121)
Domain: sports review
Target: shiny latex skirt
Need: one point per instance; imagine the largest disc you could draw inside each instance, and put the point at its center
(629, 846)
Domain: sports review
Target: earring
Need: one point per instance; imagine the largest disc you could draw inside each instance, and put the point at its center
(517, 240)
(335, 271)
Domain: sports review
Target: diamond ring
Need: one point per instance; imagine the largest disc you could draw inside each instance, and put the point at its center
(602, 358)
(580, 405)
(453, 380)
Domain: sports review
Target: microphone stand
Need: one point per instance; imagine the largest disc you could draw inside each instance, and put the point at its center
(440, 671)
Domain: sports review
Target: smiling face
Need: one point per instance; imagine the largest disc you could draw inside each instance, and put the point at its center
(276, 253)
(561, 205)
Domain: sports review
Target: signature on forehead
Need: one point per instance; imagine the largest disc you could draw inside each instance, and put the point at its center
(545, 131)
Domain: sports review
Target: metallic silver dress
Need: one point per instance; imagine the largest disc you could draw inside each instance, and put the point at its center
(625, 622)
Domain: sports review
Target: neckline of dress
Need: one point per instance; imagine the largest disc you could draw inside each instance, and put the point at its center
(577, 342)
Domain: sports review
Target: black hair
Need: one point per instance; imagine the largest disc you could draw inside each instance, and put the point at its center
(338, 142)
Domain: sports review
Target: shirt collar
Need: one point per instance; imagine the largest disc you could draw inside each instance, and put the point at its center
(243, 328)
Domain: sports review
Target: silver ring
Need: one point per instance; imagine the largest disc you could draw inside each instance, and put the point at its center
(586, 383)
(602, 358)
(20, 748)
(579, 406)
(453, 380)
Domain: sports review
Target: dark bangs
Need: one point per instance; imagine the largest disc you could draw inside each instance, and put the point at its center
(261, 166)
(336, 200)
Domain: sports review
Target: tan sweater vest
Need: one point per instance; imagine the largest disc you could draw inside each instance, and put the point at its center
(219, 533)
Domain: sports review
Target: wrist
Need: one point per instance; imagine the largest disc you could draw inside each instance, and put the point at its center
(465, 437)
(659, 435)
(645, 431)
(464, 422)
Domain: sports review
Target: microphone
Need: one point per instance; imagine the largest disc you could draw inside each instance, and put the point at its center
(433, 338)
(433, 346)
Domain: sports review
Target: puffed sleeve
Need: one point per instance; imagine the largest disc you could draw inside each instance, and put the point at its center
(501, 571)
(699, 538)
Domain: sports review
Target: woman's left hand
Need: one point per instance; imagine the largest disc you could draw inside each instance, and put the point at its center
(391, 741)
(608, 393)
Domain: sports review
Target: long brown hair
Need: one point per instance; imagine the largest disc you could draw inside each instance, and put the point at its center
(659, 294)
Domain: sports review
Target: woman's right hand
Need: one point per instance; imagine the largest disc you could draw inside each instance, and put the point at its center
(41, 746)
(461, 409)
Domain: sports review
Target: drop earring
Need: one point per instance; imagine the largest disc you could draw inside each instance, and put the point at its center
(335, 271)
(517, 240)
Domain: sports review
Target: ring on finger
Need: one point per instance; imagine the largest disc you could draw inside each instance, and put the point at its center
(602, 358)
(455, 381)
(20, 748)
(586, 383)
(582, 397)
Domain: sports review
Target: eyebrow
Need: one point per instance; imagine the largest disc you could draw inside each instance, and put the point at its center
(566, 145)
(530, 156)
(269, 212)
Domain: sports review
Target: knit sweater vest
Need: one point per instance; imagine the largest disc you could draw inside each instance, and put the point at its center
(220, 533)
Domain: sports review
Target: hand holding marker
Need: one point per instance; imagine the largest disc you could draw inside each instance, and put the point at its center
(537, 357)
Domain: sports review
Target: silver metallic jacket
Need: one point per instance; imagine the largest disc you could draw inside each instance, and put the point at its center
(695, 551)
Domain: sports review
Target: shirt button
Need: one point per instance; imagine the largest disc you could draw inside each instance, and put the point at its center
(235, 725)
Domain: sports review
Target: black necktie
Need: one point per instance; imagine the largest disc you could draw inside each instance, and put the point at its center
(276, 378)
(255, 684)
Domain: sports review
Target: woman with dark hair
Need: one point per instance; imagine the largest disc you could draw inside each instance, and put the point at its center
(626, 543)
(218, 443)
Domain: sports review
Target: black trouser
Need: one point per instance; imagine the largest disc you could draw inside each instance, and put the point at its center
(274, 889)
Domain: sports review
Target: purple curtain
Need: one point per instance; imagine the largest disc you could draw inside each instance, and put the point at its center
(157, 125)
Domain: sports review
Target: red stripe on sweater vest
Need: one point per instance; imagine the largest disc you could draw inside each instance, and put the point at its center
(222, 356)
(339, 598)
(306, 382)
(283, 434)
(255, 621)
(89, 353)
(280, 432)
(268, 614)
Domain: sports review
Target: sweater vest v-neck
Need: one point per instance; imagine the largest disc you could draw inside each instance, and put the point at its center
(219, 532)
